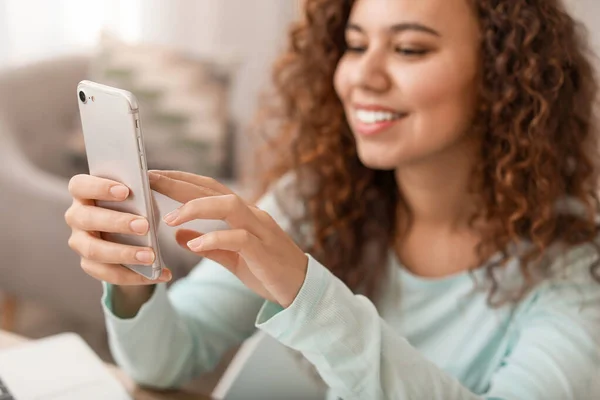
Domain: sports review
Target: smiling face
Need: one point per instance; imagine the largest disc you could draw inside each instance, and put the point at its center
(408, 80)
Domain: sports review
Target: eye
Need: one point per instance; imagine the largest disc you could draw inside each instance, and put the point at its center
(410, 51)
(356, 49)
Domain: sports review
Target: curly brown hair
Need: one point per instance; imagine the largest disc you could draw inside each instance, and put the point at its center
(536, 119)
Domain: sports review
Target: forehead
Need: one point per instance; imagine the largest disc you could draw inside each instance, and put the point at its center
(449, 17)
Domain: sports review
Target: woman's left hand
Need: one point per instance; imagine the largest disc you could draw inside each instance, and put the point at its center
(255, 249)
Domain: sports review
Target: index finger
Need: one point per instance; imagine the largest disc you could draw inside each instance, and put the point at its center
(194, 179)
(88, 187)
(179, 190)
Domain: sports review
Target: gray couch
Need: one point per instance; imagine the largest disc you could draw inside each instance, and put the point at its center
(37, 112)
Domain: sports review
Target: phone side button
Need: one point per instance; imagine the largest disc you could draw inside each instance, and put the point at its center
(143, 161)
(139, 144)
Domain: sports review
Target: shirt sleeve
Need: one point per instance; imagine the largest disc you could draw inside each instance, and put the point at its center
(180, 333)
(359, 356)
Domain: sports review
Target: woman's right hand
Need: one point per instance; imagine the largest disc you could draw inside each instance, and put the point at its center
(102, 259)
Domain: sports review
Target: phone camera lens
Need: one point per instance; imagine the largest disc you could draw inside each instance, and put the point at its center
(82, 96)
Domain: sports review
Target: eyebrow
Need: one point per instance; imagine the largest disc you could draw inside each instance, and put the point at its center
(401, 27)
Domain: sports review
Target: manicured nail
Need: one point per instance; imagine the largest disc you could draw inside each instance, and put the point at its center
(145, 256)
(139, 225)
(119, 191)
(165, 276)
(195, 244)
(171, 217)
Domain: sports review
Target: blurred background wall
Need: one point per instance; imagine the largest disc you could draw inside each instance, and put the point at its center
(248, 34)
(588, 11)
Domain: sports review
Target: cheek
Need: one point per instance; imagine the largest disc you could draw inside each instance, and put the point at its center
(341, 79)
(442, 93)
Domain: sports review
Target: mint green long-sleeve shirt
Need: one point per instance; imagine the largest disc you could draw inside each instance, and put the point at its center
(428, 339)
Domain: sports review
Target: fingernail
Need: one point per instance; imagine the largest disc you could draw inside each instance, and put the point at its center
(145, 256)
(166, 276)
(152, 176)
(139, 225)
(195, 244)
(119, 191)
(171, 217)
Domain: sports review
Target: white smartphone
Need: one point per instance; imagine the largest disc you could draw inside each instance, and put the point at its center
(115, 150)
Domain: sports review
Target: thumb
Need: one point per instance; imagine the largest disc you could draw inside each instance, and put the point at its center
(227, 259)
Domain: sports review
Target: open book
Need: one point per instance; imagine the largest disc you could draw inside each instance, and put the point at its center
(60, 367)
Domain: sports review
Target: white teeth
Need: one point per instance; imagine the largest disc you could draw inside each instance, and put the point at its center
(372, 117)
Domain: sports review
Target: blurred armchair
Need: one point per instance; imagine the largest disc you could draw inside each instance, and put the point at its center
(37, 113)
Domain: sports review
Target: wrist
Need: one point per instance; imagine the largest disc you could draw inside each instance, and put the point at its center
(296, 281)
(127, 300)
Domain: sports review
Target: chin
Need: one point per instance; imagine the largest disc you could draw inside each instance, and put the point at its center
(377, 160)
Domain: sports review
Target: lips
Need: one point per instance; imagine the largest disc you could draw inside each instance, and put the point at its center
(373, 119)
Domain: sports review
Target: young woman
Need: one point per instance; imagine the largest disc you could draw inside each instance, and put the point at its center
(438, 179)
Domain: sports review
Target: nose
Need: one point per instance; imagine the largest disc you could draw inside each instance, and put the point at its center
(370, 73)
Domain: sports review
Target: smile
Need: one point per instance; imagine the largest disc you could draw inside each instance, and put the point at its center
(373, 117)
(373, 121)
